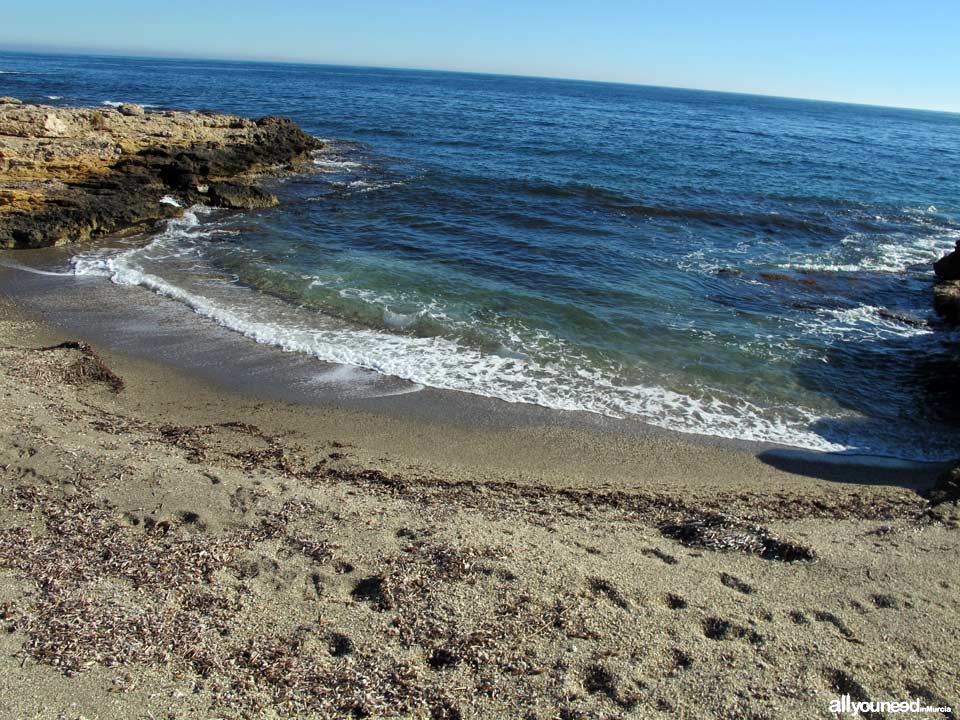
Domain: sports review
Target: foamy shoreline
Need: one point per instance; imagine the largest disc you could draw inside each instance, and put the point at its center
(131, 319)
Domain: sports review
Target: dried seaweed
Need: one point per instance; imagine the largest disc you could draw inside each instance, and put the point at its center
(88, 368)
(716, 531)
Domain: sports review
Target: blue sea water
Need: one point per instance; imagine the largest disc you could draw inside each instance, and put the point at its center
(731, 265)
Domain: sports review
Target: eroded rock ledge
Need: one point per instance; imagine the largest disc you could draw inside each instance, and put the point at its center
(71, 174)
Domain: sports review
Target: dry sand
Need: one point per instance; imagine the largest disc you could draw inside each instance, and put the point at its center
(173, 550)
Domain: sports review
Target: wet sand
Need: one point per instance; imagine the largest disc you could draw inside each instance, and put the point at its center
(199, 544)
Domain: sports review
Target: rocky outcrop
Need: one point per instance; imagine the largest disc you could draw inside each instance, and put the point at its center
(947, 487)
(71, 174)
(946, 293)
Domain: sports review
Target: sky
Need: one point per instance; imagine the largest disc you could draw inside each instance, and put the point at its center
(883, 52)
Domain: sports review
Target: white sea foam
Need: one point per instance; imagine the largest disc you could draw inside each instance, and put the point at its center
(335, 165)
(54, 97)
(365, 186)
(399, 320)
(362, 383)
(118, 103)
(864, 322)
(859, 253)
(34, 271)
(101, 261)
(170, 200)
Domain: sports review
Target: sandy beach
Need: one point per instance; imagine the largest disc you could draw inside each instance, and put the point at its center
(172, 548)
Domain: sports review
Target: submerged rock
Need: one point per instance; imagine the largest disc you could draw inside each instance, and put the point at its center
(900, 317)
(71, 174)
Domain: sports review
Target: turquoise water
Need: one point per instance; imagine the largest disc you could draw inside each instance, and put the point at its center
(731, 265)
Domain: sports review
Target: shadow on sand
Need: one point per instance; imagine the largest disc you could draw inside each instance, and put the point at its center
(855, 469)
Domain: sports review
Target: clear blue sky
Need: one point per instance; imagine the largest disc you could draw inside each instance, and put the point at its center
(885, 52)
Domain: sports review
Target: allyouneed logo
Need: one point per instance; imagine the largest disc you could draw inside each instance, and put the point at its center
(846, 705)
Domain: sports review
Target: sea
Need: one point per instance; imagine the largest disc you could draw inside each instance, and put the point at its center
(739, 266)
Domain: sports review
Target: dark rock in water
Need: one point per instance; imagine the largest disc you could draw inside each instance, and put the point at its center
(71, 174)
(901, 318)
(783, 277)
(946, 300)
(947, 488)
(240, 197)
(946, 293)
(83, 214)
(948, 267)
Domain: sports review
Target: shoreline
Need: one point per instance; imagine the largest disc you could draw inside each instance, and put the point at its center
(165, 339)
(273, 557)
(159, 320)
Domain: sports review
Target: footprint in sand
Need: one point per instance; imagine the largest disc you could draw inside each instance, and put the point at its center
(675, 602)
(735, 583)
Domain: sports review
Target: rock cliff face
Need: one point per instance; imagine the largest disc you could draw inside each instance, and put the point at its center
(946, 293)
(71, 174)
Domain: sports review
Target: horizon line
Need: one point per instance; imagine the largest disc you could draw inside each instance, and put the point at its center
(69, 51)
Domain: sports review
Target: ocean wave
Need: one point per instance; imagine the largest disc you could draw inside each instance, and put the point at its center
(577, 190)
(864, 253)
(865, 322)
(441, 362)
(100, 261)
(118, 103)
(400, 320)
(366, 186)
(335, 165)
(626, 205)
(771, 221)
